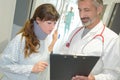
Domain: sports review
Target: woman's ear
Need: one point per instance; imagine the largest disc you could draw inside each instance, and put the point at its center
(37, 19)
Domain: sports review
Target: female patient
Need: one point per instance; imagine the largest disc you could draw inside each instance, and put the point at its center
(26, 57)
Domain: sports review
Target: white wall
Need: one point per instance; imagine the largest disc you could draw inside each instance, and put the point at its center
(7, 8)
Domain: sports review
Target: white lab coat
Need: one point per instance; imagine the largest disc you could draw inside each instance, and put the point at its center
(107, 67)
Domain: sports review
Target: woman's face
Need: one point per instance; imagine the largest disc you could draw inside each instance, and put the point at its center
(46, 26)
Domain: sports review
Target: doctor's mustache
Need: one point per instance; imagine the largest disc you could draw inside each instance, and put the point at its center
(85, 18)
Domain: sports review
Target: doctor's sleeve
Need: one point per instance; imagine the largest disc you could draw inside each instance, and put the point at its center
(111, 69)
(9, 59)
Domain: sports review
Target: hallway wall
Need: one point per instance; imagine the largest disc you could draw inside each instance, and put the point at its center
(6, 21)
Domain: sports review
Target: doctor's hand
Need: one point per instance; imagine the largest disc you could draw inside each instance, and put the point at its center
(78, 77)
(39, 67)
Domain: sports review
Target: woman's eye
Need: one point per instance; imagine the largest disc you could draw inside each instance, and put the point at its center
(54, 22)
(49, 22)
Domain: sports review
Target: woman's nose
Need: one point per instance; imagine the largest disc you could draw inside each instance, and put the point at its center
(53, 26)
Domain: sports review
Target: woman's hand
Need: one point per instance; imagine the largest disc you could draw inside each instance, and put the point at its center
(90, 77)
(39, 67)
(55, 35)
(54, 39)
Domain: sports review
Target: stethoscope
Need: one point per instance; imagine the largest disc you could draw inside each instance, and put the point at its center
(97, 35)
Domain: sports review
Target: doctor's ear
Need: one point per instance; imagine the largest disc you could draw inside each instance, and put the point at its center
(99, 10)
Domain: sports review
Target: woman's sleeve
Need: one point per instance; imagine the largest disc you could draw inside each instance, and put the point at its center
(9, 59)
(111, 69)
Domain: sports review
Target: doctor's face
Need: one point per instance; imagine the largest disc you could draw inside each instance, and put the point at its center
(88, 12)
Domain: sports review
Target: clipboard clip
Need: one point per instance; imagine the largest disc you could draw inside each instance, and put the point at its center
(65, 56)
(74, 56)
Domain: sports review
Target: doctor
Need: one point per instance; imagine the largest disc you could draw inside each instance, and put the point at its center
(94, 39)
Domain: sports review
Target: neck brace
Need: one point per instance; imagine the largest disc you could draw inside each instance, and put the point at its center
(39, 32)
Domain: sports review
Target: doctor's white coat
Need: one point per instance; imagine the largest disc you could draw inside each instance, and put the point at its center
(107, 68)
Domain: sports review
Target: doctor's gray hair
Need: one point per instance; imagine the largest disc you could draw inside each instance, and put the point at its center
(97, 3)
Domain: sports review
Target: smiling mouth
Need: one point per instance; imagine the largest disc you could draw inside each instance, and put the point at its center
(85, 20)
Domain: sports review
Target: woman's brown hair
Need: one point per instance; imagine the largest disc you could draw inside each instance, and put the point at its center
(44, 12)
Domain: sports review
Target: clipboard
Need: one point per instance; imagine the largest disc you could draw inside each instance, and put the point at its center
(64, 67)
